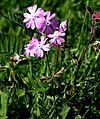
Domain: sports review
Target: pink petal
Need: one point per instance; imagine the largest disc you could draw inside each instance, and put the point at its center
(39, 53)
(43, 40)
(48, 15)
(60, 41)
(27, 24)
(32, 9)
(52, 40)
(50, 35)
(40, 23)
(55, 24)
(34, 40)
(32, 53)
(52, 16)
(32, 24)
(49, 30)
(26, 20)
(26, 53)
(40, 11)
(46, 47)
(26, 15)
(41, 30)
(62, 34)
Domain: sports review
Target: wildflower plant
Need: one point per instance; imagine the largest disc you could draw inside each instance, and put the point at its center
(49, 61)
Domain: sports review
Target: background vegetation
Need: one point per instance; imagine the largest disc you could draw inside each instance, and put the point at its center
(72, 94)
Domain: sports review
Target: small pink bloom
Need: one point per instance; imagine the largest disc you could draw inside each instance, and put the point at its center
(49, 24)
(42, 46)
(36, 47)
(30, 18)
(57, 38)
(96, 16)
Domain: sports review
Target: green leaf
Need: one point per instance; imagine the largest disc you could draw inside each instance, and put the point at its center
(3, 108)
(20, 92)
(38, 90)
(64, 111)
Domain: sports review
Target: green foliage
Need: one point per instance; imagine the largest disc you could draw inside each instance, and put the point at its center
(39, 88)
(3, 105)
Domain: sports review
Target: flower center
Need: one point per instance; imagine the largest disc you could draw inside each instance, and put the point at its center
(48, 23)
(33, 16)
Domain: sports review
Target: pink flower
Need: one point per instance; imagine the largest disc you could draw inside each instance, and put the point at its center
(96, 16)
(49, 24)
(30, 18)
(36, 47)
(57, 38)
(63, 26)
(41, 47)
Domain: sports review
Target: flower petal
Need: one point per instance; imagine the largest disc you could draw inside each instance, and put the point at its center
(46, 47)
(27, 24)
(52, 16)
(49, 30)
(32, 24)
(26, 15)
(26, 20)
(40, 23)
(32, 9)
(39, 53)
(55, 24)
(40, 11)
(60, 41)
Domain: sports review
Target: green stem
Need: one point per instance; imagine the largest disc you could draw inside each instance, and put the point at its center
(84, 54)
(57, 59)
(50, 73)
(48, 64)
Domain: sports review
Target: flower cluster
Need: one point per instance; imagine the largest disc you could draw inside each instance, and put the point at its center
(47, 26)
